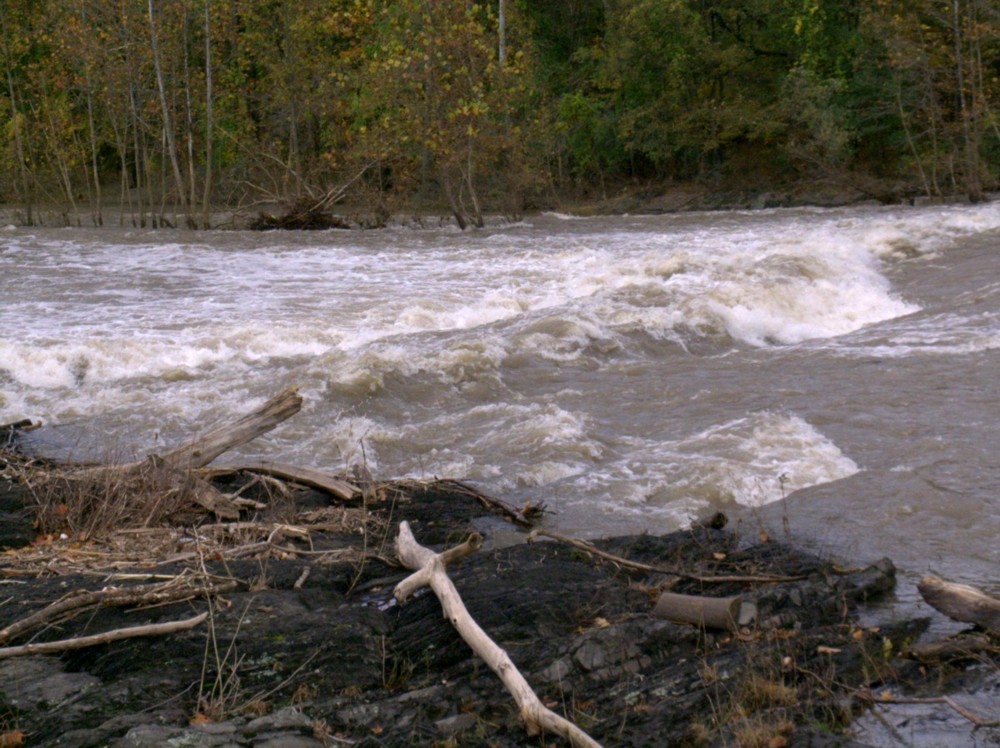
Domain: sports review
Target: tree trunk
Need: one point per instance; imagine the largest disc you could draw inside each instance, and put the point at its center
(966, 111)
(25, 186)
(502, 32)
(209, 134)
(168, 129)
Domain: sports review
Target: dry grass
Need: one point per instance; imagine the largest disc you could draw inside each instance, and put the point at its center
(117, 516)
(93, 502)
(763, 733)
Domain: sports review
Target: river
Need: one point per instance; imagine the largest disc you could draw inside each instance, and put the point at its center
(632, 373)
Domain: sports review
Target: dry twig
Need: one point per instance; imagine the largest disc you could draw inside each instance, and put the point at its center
(620, 561)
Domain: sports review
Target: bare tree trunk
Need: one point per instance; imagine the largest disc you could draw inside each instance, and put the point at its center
(139, 145)
(98, 217)
(25, 187)
(449, 193)
(909, 140)
(502, 32)
(189, 110)
(168, 130)
(970, 142)
(293, 101)
(207, 193)
(96, 207)
(477, 213)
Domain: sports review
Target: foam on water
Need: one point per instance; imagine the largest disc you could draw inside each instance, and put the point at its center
(442, 353)
(142, 309)
(750, 461)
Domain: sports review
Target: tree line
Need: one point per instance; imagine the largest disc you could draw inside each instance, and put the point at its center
(168, 109)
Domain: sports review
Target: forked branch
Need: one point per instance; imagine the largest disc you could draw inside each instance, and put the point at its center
(429, 570)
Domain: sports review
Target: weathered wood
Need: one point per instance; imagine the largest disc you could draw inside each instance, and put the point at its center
(146, 595)
(202, 450)
(887, 698)
(705, 612)
(429, 570)
(960, 602)
(80, 642)
(331, 484)
(170, 475)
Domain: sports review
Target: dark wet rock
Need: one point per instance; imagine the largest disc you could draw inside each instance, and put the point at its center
(16, 516)
(289, 660)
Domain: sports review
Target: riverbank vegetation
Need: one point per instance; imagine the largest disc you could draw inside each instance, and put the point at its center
(168, 110)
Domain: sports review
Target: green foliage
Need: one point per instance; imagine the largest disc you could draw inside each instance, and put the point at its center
(404, 101)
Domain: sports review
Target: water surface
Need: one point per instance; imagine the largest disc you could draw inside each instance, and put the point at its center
(632, 373)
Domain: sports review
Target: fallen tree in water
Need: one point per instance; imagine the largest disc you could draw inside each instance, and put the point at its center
(304, 641)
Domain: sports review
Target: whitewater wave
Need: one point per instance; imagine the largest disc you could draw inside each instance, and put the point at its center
(750, 462)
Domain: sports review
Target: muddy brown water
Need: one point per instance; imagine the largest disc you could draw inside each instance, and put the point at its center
(632, 373)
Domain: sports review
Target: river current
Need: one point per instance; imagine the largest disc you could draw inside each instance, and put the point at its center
(632, 373)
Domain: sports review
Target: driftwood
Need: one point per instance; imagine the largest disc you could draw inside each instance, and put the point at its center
(80, 642)
(429, 570)
(172, 476)
(331, 484)
(725, 613)
(172, 479)
(201, 451)
(75, 602)
(960, 602)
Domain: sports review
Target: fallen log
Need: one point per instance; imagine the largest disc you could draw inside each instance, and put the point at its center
(331, 484)
(724, 613)
(95, 498)
(639, 566)
(205, 448)
(430, 570)
(888, 698)
(186, 484)
(202, 450)
(960, 602)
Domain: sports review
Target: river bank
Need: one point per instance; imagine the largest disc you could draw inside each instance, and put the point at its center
(623, 199)
(300, 642)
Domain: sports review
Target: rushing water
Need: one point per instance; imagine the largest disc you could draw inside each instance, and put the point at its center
(632, 373)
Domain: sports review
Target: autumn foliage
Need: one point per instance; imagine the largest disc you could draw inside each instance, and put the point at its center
(152, 112)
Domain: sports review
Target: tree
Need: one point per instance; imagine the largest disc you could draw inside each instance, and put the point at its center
(446, 106)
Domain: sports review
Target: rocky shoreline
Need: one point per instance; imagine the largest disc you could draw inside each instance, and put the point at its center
(309, 650)
(166, 602)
